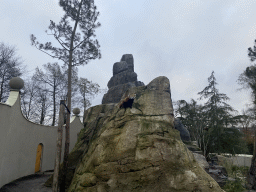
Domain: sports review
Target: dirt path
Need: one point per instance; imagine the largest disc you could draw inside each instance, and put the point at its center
(31, 183)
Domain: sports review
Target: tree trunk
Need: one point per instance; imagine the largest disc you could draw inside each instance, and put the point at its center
(67, 141)
(1, 90)
(42, 112)
(84, 109)
(58, 150)
(54, 104)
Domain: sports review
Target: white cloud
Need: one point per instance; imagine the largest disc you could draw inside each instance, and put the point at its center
(182, 40)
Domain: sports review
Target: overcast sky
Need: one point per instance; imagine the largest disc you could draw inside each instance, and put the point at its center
(184, 40)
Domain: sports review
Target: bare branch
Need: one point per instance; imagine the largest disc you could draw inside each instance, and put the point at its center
(80, 43)
(60, 43)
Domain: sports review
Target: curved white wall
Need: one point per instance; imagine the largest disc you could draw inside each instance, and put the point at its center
(19, 139)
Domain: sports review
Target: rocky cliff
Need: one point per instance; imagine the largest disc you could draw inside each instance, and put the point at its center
(136, 149)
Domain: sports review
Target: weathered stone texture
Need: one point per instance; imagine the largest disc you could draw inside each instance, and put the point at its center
(137, 149)
(115, 93)
(123, 78)
(128, 58)
(119, 67)
(201, 160)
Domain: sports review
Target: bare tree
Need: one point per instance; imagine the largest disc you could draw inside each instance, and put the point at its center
(35, 104)
(10, 66)
(53, 77)
(43, 104)
(28, 98)
(87, 90)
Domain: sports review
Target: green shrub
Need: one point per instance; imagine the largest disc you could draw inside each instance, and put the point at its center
(234, 186)
(236, 172)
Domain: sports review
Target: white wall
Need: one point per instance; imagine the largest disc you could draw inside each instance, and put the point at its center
(242, 160)
(20, 137)
(239, 159)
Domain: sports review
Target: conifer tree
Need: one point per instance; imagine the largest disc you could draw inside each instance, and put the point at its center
(76, 46)
(217, 111)
(248, 80)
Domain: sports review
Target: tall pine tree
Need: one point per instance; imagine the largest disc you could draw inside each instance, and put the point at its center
(74, 33)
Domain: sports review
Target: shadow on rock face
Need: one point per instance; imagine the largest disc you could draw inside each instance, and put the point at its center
(184, 133)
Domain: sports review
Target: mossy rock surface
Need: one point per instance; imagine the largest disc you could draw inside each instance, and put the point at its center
(136, 149)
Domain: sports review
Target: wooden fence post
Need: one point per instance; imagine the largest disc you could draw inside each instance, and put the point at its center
(59, 146)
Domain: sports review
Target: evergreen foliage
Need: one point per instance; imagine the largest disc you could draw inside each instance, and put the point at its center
(212, 125)
(248, 80)
(218, 114)
(79, 44)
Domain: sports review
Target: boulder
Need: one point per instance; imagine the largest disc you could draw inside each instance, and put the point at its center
(115, 93)
(123, 78)
(184, 133)
(201, 161)
(128, 58)
(136, 149)
(119, 67)
(218, 173)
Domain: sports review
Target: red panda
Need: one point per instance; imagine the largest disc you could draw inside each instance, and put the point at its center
(127, 101)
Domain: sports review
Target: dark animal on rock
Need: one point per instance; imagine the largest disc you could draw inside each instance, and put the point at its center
(127, 101)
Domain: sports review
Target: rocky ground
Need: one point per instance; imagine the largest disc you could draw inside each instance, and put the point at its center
(31, 183)
(217, 172)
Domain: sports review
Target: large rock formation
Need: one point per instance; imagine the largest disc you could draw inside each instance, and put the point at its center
(136, 149)
(123, 78)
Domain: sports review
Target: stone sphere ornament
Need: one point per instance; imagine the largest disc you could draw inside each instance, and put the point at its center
(76, 111)
(16, 83)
